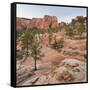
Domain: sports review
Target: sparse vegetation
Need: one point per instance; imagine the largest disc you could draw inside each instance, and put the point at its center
(69, 31)
(36, 52)
(57, 45)
(27, 41)
(76, 27)
(52, 46)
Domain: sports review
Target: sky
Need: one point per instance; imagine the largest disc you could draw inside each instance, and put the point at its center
(38, 11)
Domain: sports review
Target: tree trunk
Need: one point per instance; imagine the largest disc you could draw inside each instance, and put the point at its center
(27, 49)
(35, 65)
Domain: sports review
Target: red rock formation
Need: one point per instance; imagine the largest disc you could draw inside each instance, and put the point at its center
(52, 21)
(38, 23)
(23, 23)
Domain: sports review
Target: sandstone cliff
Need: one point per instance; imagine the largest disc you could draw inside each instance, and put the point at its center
(37, 23)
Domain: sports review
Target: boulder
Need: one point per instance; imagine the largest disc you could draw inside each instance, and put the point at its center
(70, 70)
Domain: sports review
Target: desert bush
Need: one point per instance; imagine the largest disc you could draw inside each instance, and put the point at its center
(71, 53)
(69, 31)
(57, 45)
(76, 27)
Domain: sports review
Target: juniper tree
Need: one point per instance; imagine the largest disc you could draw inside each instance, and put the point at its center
(36, 53)
(27, 40)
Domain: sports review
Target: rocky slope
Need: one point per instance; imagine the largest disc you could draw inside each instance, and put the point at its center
(67, 66)
(68, 71)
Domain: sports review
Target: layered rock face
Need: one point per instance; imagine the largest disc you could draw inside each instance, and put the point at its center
(22, 23)
(37, 23)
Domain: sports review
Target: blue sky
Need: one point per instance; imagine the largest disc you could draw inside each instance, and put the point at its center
(37, 11)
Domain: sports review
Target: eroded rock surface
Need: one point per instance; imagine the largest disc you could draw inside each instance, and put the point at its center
(68, 71)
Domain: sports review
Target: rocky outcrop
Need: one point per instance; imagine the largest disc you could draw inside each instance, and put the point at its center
(37, 23)
(23, 23)
(52, 21)
(70, 70)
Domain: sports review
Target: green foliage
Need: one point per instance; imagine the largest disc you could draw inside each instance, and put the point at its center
(27, 40)
(49, 31)
(37, 31)
(31, 45)
(19, 33)
(81, 29)
(36, 52)
(69, 31)
(80, 25)
(76, 27)
(80, 19)
(73, 22)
